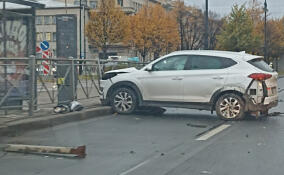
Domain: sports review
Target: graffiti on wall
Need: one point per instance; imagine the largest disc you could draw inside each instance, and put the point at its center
(16, 38)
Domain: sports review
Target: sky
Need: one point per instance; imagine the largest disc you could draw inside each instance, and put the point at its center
(223, 7)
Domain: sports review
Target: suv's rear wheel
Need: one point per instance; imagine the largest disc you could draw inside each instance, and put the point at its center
(123, 101)
(230, 107)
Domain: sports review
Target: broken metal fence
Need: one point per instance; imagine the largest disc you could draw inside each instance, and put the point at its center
(32, 83)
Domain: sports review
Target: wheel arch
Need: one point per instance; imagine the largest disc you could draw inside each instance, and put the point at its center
(220, 92)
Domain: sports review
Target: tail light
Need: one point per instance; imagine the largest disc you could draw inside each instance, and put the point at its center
(260, 76)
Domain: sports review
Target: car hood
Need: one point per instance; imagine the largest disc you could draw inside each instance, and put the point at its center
(126, 70)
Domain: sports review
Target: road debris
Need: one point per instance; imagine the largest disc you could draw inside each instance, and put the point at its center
(205, 172)
(275, 114)
(132, 152)
(72, 106)
(75, 106)
(79, 151)
(196, 125)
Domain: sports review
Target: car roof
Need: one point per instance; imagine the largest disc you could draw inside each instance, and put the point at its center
(228, 54)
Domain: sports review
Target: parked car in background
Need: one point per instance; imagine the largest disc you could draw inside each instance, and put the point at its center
(230, 83)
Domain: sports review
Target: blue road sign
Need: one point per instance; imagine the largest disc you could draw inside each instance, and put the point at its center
(44, 45)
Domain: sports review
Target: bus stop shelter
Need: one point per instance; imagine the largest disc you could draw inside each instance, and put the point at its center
(17, 44)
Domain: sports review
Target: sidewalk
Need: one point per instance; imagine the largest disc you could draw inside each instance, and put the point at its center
(20, 121)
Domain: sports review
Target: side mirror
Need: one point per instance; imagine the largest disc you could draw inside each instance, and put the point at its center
(149, 68)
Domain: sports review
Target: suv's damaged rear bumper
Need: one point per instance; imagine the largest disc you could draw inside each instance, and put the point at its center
(269, 102)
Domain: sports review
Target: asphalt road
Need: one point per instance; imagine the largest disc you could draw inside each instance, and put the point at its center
(156, 145)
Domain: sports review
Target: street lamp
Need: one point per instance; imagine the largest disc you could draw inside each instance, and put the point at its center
(206, 26)
(80, 29)
(265, 31)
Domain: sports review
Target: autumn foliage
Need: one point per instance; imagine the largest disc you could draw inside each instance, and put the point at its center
(107, 25)
(243, 29)
(153, 30)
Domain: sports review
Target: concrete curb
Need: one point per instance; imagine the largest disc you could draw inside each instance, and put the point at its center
(21, 126)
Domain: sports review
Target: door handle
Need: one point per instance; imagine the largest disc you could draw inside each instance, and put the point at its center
(177, 78)
(218, 78)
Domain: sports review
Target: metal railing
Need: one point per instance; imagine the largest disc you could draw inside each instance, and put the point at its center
(28, 83)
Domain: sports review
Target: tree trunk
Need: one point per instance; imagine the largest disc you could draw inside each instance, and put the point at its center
(104, 52)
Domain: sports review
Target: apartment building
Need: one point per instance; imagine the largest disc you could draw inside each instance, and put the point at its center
(46, 24)
(128, 6)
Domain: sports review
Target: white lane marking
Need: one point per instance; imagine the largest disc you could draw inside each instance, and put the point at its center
(213, 132)
(135, 167)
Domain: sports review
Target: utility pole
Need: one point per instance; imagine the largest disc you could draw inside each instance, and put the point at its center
(5, 52)
(84, 11)
(80, 29)
(66, 6)
(265, 31)
(80, 37)
(206, 26)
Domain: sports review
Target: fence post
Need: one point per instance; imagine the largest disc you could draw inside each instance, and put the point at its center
(32, 84)
(73, 78)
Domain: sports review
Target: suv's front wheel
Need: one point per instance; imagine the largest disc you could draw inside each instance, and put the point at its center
(123, 100)
(230, 107)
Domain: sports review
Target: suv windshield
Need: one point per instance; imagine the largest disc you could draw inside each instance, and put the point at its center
(260, 64)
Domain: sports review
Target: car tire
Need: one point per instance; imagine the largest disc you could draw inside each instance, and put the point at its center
(230, 107)
(123, 101)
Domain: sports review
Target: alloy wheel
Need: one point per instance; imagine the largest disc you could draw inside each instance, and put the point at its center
(123, 101)
(230, 107)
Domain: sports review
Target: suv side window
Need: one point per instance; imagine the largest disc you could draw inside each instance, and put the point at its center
(198, 62)
(171, 63)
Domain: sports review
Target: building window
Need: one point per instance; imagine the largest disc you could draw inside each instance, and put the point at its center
(54, 36)
(53, 20)
(39, 37)
(38, 20)
(120, 2)
(83, 2)
(137, 6)
(48, 36)
(93, 4)
(77, 2)
(47, 20)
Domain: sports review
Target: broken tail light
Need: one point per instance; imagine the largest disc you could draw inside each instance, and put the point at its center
(260, 76)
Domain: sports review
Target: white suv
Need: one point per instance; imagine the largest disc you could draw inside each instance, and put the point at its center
(231, 83)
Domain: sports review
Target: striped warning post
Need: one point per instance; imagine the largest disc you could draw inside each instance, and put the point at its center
(46, 69)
